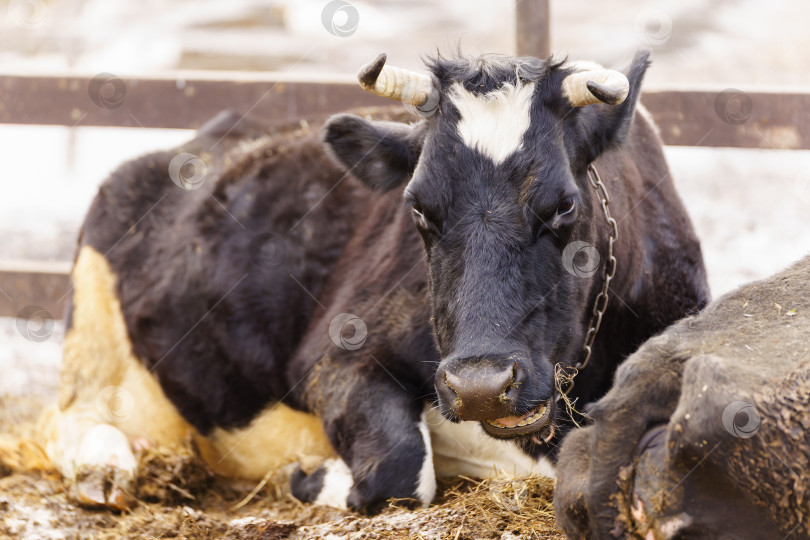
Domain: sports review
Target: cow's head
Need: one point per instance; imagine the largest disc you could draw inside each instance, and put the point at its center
(497, 187)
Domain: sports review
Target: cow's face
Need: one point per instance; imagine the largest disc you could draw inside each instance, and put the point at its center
(497, 188)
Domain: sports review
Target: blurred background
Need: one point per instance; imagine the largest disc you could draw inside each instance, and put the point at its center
(751, 207)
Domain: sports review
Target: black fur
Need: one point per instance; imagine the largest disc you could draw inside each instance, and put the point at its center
(363, 148)
(307, 487)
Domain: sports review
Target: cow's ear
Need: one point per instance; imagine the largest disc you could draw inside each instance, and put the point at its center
(599, 127)
(382, 155)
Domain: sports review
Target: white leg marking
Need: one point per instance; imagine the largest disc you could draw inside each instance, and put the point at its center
(104, 468)
(494, 123)
(426, 488)
(673, 526)
(104, 445)
(337, 482)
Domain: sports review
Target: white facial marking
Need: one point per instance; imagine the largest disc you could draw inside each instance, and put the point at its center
(426, 488)
(337, 482)
(494, 123)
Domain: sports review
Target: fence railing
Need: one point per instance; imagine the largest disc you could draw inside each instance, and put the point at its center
(718, 117)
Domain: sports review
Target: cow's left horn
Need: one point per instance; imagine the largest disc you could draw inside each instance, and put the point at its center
(397, 83)
(595, 86)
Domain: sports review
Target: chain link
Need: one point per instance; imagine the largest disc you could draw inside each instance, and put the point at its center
(601, 302)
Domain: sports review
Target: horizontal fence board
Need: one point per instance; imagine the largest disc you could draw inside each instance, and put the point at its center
(717, 118)
(771, 120)
(34, 289)
(168, 103)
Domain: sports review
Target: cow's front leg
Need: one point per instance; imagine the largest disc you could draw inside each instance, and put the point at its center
(594, 462)
(380, 434)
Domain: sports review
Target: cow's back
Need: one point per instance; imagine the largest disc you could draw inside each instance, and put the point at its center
(216, 282)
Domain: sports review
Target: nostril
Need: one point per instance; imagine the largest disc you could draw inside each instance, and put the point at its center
(445, 391)
(479, 388)
(450, 381)
(453, 381)
(510, 388)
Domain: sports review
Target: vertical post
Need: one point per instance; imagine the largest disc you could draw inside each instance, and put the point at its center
(532, 24)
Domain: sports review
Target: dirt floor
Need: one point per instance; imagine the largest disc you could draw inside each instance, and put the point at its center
(178, 497)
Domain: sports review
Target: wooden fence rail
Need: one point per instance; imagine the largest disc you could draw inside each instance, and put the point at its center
(705, 117)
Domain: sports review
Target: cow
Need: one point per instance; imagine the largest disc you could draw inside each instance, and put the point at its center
(395, 299)
(704, 431)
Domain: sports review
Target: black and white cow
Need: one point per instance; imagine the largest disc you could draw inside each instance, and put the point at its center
(704, 433)
(246, 289)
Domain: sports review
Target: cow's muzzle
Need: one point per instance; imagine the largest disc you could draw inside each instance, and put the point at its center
(487, 389)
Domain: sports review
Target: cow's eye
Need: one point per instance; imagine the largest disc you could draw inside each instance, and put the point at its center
(566, 206)
(419, 215)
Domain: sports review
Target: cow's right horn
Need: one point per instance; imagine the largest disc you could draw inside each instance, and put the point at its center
(396, 83)
(594, 86)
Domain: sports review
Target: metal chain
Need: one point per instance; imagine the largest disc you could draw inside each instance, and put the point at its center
(601, 302)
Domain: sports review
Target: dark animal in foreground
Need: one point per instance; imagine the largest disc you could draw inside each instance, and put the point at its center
(704, 433)
(235, 287)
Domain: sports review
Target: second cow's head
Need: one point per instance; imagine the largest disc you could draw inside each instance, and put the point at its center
(496, 183)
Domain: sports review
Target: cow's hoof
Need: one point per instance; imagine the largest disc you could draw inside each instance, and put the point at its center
(107, 487)
(104, 473)
(328, 485)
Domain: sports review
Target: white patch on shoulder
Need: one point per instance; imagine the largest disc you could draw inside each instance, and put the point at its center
(464, 449)
(337, 482)
(545, 467)
(426, 488)
(494, 123)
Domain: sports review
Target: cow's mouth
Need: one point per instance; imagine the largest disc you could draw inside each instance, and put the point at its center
(515, 426)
